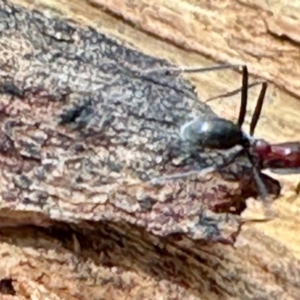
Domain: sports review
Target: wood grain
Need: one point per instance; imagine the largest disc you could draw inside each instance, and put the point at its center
(265, 262)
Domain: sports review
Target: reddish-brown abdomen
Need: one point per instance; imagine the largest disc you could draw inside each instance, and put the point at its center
(282, 155)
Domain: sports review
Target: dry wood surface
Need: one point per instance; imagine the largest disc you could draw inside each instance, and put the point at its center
(79, 218)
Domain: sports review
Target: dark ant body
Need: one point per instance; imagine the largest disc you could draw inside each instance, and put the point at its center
(222, 134)
(279, 157)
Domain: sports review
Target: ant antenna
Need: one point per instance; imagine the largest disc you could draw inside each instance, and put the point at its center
(232, 93)
(207, 69)
(191, 69)
(258, 108)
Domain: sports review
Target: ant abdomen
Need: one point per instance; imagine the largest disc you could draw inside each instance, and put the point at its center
(213, 133)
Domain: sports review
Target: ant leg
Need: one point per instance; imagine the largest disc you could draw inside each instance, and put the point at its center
(207, 69)
(200, 172)
(258, 108)
(247, 221)
(261, 187)
(232, 93)
(173, 70)
(244, 97)
(162, 179)
(260, 184)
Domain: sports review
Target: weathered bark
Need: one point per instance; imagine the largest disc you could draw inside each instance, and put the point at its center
(79, 144)
(266, 35)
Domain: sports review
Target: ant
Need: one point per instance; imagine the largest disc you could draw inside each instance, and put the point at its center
(281, 158)
(222, 134)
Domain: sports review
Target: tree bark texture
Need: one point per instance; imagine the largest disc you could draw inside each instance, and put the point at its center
(261, 32)
(87, 123)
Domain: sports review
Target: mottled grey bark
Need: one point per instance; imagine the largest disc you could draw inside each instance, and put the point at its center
(85, 126)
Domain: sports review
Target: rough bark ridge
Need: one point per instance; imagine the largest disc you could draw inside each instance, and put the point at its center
(84, 131)
(85, 126)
